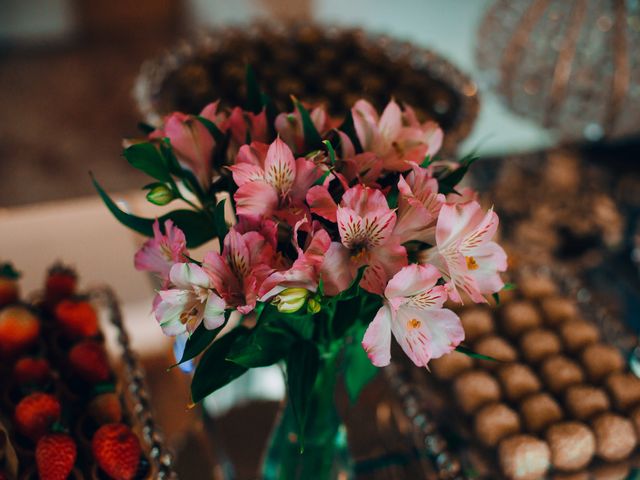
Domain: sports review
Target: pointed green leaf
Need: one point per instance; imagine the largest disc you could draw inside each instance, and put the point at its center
(302, 370)
(472, 354)
(214, 371)
(213, 129)
(496, 297)
(196, 226)
(221, 224)
(262, 348)
(331, 151)
(312, 139)
(147, 158)
(448, 183)
(199, 340)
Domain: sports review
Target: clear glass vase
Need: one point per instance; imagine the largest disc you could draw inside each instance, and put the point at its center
(323, 454)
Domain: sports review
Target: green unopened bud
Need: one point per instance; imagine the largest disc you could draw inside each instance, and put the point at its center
(160, 194)
(313, 306)
(291, 300)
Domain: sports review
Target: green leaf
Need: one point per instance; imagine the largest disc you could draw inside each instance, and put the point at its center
(8, 271)
(358, 369)
(254, 96)
(221, 224)
(299, 324)
(448, 183)
(147, 158)
(312, 139)
(331, 151)
(199, 340)
(428, 160)
(213, 129)
(496, 298)
(214, 371)
(197, 227)
(472, 354)
(302, 370)
(353, 289)
(509, 286)
(349, 128)
(262, 348)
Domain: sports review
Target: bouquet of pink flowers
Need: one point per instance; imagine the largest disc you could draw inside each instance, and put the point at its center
(334, 236)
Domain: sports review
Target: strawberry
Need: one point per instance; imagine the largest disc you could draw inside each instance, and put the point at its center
(105, 408)
(35, 413)
(19, 329)
(117, 451)
(77, 319)
(61, 283)
(88, 360)
(9, 291)
(31, 371)
(55, 456)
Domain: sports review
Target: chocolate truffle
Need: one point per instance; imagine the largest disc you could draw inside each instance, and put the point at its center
(615, 437)
(536, 286)
(577, 334)
(476, 323)
(539, 411)
(559, 372)
(557, 310)
(518, 381)
(451, 365)
(600, 360)
(497, 348)
(520, 316)
(494, 422)
(624, 389)
(523, 457)
(585, 401)
(536, 345)
(611, 471)
(572, 445)
(475, 388)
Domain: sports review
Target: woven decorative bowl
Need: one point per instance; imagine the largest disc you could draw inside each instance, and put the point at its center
(314, 63)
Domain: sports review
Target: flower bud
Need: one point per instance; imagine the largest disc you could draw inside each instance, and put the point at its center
(313, 306)
(160, 194)
(291, 300)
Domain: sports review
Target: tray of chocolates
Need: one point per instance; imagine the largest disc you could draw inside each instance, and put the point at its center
(557, 399)
(67, 410)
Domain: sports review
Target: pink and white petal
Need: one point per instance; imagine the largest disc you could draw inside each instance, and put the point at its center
(377, 338)
(365, 201)
(335, 272)
(412, 280)
(149, 258)
(391, 121)
(320, 201)
(222, 279)
(431, 299)
(185, 275)
(414, 223)
(246, 172)
(378, 227)
(307, 173)
(455, 221)
(346, 145)
(256, 198)
(384, 263)
(365, 122)
(483, 232)
(350, 227)
(213, 312)
(253, 154)
(280, 166)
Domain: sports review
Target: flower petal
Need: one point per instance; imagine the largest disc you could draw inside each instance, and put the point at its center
(412, 280)
(214, 312)
(280, 166)
(185, 275)
(321, 203)
(335, 271)
(377, 338)
(256, 198)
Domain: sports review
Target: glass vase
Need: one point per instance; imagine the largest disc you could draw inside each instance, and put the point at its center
(322, 453)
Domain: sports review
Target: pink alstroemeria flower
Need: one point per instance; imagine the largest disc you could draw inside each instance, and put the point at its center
(191, 302)
(413, 312)
(243, 124)
(289, 126)
(365, 167)
(161, 252)
(271, 182)
(465, 253)
(191, 142)
(305, 270)
(238, 272)
(396, 137)
(365, 223)
(418, 206)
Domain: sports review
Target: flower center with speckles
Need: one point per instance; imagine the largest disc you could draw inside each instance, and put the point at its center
(413, 324)
(471, 263)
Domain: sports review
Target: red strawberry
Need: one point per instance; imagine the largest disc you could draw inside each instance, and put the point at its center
(32, 371)
(77, 319)
(105, 408)
(55, 456)
(61, 283)
(9, 291)
(88, 360)
(117, 451)
(19, 329)
(35, 413)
